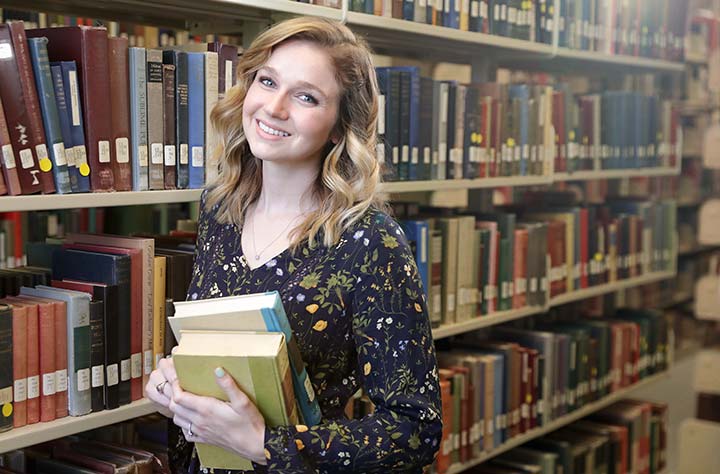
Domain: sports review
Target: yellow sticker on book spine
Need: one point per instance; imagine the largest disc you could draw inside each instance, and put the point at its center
(7, 410)
(84, 169)
(45, 164)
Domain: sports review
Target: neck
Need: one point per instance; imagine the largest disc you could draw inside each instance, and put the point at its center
(286, 190)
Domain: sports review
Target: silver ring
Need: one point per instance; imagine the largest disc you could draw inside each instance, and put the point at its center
(161, 386)
(190, 431)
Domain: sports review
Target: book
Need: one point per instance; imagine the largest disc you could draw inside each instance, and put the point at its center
(256, 312)
(118, 65)
(196, 117)
(10, 181)
(258, 362)
(155, 118)
(75, 113)
(7, 358)
(138, 117)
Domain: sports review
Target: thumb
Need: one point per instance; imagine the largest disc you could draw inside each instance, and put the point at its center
(237, 397)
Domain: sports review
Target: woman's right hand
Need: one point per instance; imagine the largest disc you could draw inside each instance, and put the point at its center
(159, 386)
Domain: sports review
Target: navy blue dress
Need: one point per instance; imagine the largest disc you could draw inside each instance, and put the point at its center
(359, 314)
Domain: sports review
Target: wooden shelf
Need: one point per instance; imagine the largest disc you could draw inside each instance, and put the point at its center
(585, 175)
(39, 202)
(557, 423)
(40, 432)
(453, 184)
(506, 316)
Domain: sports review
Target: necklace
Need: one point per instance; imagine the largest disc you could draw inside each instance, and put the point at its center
(258, 254)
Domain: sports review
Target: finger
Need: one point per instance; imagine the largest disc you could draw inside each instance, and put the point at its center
(189, 413)
(181, 422)
(238, 400)
(167, 368)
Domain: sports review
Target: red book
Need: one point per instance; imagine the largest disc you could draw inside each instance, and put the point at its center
(120, 112)
(556, 250)
(33, 360)
(20, 348)
(446, 443)
(584, 249)
(88, 47)
(9, 181)
(520, 255)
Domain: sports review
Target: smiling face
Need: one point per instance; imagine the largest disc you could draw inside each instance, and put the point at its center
(292, 105)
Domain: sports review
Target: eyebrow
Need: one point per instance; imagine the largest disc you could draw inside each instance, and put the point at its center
(301, 84)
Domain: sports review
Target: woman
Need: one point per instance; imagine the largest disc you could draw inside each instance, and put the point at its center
(295, 209)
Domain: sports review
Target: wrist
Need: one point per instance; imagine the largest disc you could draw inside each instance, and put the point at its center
(255, 446)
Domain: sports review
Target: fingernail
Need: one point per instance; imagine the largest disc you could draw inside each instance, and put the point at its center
(219, 372)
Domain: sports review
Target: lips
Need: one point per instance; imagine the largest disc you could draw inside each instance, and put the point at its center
(270, 130)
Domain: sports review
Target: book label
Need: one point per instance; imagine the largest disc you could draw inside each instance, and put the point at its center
(80, 155)
(98, 376)
(136, 365)
(405, 154)
(104, 151)
(20, 390)
(8, 157)
(228, 76)
(59, 151)
(169, 155)
(26, 158)
(74, 98)
(427, 155)
(381, 115)
(61, 381)
(125, 370)
(48, 384)
(33, 387)
(156, 153)
(112, 375)
(147, 362)
(122, 150)
(184, 153)
(83, 380)
(6, 395)
(309, 389)
(197, 156)
(143, 155)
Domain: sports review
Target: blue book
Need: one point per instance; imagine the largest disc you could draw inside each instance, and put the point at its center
(522, 92)
(196, 114)
(51, 120)
(138, 118)
(64, 117)
(257, 312)
(78, 343)
(417, 233)
(74, 109)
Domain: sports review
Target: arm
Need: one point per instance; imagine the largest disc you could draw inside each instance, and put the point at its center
(397, 367)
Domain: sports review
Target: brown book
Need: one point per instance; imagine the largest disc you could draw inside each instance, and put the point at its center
(446, 444)
(120, 112)
(88, 47)
(465, 411)
(32, 103)
(17, 117)
(227, 66)
(170, 165)
(155, 119)
(9, 181)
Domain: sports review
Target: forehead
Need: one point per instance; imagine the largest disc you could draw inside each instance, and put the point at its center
(304, 61)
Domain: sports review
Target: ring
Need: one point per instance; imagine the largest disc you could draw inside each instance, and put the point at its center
(161, 386)
(190, 431)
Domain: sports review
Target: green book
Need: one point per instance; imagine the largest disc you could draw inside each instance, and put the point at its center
(258, 362)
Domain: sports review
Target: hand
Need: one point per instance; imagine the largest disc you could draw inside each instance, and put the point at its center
(236, 426)
(159, 388)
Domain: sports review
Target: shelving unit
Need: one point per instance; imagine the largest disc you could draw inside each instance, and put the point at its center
(40, 432)
(558, 423)
(507, 316)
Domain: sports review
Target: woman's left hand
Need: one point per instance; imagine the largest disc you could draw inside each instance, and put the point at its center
(236, 426)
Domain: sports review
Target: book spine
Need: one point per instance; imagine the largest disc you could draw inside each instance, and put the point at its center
(169, 115)
(196, 117)
(33, 366)
(46, 321)
(64, 118)
(72, 98)
(120, 112)
(155, 121)
(61, 355)
(51, 120)
(182, 119)
(19, 365)
(97, 356)
(211, 98)
(159, 310)
(35, 124)
(10, 178)
(6, 367)
(138, 118)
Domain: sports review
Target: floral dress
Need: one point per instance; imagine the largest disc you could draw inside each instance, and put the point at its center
(359, 314)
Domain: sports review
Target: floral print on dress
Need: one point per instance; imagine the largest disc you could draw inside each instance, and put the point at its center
(359, 314)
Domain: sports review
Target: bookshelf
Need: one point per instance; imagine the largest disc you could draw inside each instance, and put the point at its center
(40, 432)
(559, 422)
(40, 202)
(506, 316)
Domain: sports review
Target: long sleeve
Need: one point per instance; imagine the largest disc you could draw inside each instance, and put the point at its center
(396, 365)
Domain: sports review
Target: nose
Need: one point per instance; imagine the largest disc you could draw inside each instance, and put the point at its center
(276, 106)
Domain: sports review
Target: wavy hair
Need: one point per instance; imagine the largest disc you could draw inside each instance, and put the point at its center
(348, 180)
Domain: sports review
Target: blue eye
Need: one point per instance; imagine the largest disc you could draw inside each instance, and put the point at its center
(266, 81)
(308, 99)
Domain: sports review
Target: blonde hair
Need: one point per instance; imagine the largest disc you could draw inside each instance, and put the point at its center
(350, 173)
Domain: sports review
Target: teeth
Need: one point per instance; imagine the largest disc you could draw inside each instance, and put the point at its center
(272, 131)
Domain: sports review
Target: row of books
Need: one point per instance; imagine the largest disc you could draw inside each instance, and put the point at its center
(143, 36)
(100, 304)
(628, 436)
(519, 379)
(475, 264)
(447, 130)
(640, 28)
(83, 111)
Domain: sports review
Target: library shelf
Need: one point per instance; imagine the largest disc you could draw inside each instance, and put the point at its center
(695, 58)
(558, 423)
(696, 249)
(453, 184)
(29, 435)
(585, 175)
(578, 295)
(41, 202)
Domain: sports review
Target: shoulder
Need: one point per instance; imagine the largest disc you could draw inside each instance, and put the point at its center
(375, 229)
